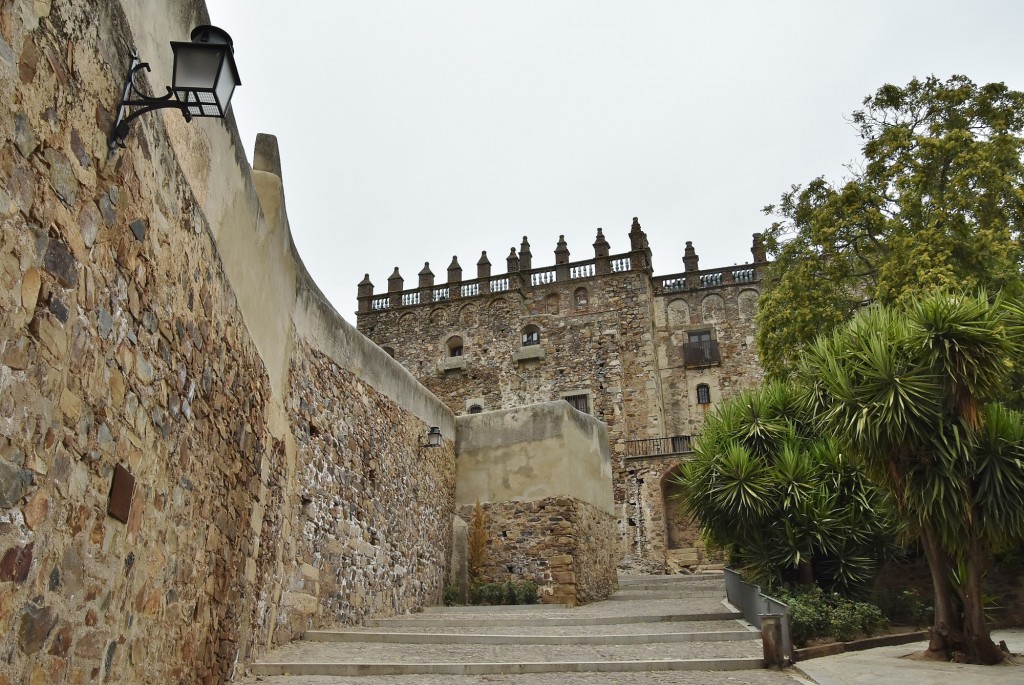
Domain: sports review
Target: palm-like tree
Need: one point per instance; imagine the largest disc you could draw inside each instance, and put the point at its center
(783, 502)
(910, 392)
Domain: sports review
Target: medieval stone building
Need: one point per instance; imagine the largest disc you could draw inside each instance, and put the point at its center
(648, 355)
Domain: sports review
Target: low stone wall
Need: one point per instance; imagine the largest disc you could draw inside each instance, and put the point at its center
(564, 545)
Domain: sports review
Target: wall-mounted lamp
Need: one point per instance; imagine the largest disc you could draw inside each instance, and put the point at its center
(433, 438)
(203, 81)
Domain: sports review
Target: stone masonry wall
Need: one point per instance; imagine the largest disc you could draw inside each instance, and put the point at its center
(376, 507)
(121, 344)
(566, 546)
(265, 491)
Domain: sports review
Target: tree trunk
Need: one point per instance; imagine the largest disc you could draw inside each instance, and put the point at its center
(806, 573)
(978, 639)
(946, 634)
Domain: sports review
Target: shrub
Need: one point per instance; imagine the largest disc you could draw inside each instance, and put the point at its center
(451, 595)
(815, 614)
(509, 592)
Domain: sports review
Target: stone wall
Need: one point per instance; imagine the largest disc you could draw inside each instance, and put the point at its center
(566, 546)
(155, 317)
(375, 506)
(543, 475)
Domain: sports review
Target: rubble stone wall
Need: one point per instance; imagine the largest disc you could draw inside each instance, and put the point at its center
(566, 546)
(154, 316)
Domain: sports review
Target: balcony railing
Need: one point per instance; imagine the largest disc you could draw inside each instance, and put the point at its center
(703, 353)
(647, 447)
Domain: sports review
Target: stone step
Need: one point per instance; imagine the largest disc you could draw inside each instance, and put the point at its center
(672, 579)
(484, 621)
(485, 609)
(567, 629)
(663, 587)
(503, 668)
(668, 594)
(506, 639)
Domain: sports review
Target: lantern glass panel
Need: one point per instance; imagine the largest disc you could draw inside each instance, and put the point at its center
(197, 67)
(225, 86)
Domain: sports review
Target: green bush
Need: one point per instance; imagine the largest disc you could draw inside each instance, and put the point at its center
(815, 614)
(509, 592)
(451, 595)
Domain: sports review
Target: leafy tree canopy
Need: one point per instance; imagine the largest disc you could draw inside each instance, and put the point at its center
(937, 202)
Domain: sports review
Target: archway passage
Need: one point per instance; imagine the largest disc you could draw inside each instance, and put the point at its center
(683, 545)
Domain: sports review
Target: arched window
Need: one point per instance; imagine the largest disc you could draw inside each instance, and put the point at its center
(389, 350)
(703, 394)
(531, 335)
(476, 409)
(580, 298)
(454, 346)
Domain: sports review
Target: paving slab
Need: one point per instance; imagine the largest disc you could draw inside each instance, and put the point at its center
(893, 665)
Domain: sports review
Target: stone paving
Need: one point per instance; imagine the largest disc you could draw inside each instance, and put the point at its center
(631, 619)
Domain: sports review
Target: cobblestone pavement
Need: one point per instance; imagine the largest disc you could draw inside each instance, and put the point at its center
(761, 677)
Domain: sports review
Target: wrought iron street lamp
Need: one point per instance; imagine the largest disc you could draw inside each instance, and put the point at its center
(204, 78)
(433, 438)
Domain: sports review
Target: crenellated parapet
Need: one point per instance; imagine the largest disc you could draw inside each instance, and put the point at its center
(521, 276)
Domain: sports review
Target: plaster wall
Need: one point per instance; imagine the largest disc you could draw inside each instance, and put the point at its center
(532, 453)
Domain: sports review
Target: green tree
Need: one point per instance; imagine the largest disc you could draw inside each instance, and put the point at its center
(785, 504)
(909, 389)
(936, 202)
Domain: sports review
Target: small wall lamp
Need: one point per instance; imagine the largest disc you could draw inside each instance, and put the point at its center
(204, 78)
(433, 438)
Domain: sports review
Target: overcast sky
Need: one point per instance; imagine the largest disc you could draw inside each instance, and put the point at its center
(413, 131)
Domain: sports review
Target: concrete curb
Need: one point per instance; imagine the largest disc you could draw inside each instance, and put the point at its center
(511, 668)
(857, 645)
(462, 639)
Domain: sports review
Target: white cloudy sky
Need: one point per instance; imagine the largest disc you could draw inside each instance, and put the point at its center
(412, 131)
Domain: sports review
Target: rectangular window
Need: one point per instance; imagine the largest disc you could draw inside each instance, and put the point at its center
(579, 402)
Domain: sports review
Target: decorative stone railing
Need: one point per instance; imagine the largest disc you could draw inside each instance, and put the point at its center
(497, 284)
(707, 278)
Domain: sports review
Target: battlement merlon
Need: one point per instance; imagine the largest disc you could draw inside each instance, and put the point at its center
(521, 276)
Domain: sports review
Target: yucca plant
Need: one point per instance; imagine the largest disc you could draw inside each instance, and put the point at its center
(781, 501)
(909, 391)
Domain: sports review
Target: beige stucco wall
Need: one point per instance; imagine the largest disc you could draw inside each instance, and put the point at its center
(533, 452)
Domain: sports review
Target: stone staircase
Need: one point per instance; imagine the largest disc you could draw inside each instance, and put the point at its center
(653, 624)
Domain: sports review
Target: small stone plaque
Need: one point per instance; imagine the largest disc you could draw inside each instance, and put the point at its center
(121, 491)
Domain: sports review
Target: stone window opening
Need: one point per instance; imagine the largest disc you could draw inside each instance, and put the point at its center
(389, 350)
(581, 298)
(579, 402)
(455, 347)
(476, 409)
(703, 394)
(531, 336)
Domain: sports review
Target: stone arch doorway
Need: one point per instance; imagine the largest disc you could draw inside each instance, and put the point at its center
(684, 548)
